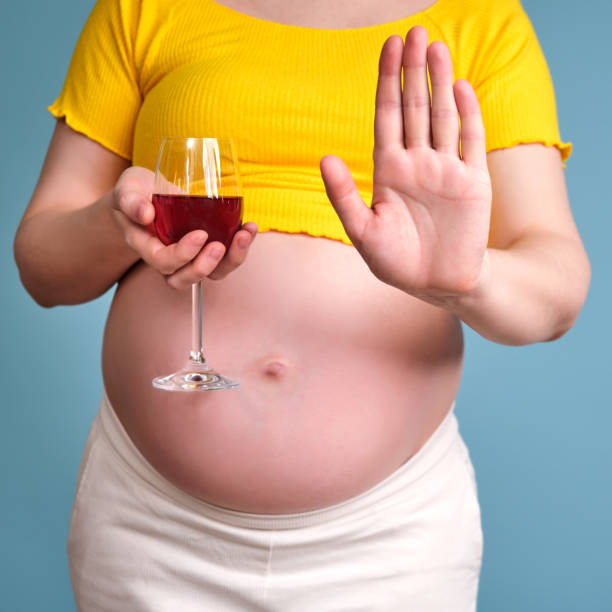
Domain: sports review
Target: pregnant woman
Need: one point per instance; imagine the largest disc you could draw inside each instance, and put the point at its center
(390, 208)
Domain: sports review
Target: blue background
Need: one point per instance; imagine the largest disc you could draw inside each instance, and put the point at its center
(537, 419)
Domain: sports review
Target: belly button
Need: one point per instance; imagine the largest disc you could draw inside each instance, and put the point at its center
(275, 368)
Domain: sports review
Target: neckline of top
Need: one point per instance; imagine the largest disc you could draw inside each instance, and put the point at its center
(293, 27)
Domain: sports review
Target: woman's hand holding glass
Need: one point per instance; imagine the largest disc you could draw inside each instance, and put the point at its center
(184, 262)
(427, 230)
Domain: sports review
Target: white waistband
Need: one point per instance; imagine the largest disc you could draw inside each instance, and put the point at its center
(436, 447)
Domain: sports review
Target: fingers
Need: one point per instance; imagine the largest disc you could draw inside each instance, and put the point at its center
(182, 263)
(211, 262)
(444, 117)
(186, 262)
(388, 125)
(414, 117)
(416, 102)
(202, 266)
(239, 248)
(165, 259)
(135, 212)
(132, 195)
(473, 145)
(135, 206)
(344, 197)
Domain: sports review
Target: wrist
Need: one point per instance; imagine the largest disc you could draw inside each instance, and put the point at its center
(466, 299)
(472, 299)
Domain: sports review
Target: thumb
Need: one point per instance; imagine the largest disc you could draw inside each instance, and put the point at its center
(344, 197)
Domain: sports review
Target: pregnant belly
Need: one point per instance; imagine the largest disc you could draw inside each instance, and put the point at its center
(342, 377)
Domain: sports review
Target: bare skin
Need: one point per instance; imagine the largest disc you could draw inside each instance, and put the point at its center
(349, 357)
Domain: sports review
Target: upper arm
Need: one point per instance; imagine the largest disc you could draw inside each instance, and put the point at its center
(525, 152)
(76, 172)
(100, 99)
(529, 195)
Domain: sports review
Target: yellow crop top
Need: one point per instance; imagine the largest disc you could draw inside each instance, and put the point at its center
(287, 95)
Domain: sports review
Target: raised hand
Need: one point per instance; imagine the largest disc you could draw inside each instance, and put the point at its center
(185, 262)
(427, 229)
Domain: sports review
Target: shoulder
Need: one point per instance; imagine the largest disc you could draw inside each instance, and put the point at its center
(482, 35)
(485, 13)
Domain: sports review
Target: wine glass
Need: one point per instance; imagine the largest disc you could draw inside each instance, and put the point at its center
(196, 187)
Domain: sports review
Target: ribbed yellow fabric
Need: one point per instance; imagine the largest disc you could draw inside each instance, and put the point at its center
(287, 95)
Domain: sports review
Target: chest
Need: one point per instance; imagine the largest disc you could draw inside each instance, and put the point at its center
(259, 83)
(335, 14)
(230, 69)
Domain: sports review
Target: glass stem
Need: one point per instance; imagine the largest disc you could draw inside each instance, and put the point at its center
(197, 350)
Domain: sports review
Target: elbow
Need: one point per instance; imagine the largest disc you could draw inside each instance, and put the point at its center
(562, 329)
(34, 287)
(574, 299)
(36, 290)
(43, 300)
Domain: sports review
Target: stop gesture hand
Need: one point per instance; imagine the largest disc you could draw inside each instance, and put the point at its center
(426, 231)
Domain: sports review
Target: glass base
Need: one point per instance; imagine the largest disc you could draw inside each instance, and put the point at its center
(194, 377)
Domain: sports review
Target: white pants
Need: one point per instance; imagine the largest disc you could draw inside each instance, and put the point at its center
(138, 543)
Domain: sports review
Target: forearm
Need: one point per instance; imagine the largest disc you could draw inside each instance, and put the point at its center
(529, 292)
(71, 256)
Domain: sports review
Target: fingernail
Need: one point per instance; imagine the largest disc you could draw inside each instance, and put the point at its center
(243, 242)
(216, 252)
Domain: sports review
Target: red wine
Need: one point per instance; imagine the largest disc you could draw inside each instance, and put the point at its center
(176, 215)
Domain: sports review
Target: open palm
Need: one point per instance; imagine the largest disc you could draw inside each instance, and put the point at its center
(426, 231)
